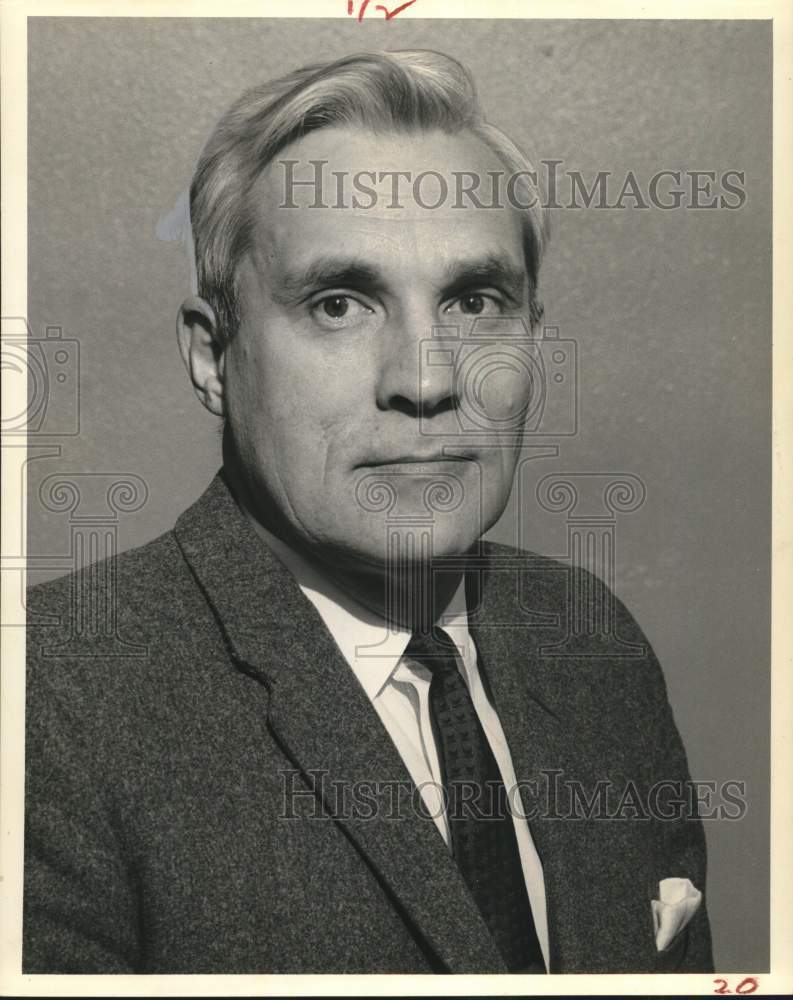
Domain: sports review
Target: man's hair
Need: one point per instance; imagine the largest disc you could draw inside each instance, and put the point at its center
(403, 91)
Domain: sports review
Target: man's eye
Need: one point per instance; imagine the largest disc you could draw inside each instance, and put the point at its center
(338, 310)
(475, 304)
(337, 306)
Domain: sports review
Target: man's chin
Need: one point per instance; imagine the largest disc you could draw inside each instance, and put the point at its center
(400, 546)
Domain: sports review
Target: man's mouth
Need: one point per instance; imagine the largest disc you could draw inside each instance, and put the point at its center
(418, 458)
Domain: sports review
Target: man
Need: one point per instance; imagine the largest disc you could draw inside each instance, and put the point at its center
(348, 742)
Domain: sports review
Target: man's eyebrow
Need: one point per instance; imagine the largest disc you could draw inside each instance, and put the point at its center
(492, 269)
(326, 272)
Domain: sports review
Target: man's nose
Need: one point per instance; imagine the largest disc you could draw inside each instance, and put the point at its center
(417, 369)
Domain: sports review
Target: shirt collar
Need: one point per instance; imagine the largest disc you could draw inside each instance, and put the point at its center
(371, 648)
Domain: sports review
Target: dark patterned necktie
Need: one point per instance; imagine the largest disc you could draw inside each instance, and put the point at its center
(482, 831)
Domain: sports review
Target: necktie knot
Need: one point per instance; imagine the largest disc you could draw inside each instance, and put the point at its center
(434, 649)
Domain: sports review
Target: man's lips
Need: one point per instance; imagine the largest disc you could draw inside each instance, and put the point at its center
(417, 458)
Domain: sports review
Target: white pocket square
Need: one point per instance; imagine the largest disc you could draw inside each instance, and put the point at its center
(677, 903)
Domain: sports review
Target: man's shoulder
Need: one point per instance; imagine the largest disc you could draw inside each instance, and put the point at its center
(144, 576)
(540, 577)
(558, 575)
(588, 643)
(552, 589)
(126, 622)
(116, 641)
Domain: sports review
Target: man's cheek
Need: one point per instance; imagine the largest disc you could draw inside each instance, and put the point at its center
(500, 391)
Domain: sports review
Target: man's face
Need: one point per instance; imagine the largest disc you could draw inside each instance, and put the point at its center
(344, 410)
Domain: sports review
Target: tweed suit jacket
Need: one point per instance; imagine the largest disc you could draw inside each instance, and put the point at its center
(186, 776)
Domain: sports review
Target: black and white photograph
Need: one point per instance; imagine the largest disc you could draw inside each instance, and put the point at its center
(389, 436)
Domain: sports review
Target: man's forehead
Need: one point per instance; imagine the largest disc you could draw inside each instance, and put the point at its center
(419, 196)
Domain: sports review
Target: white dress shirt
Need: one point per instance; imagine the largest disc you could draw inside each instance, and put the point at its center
(399, 691)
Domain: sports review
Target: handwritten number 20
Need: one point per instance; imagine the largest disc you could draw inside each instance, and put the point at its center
(748, 985)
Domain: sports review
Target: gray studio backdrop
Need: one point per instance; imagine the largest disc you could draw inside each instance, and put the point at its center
(670, 310)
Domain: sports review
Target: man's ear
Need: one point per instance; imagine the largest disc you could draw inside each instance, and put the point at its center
(202, 351)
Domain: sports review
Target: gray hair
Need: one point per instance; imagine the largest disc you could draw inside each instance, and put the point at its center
(398, 91)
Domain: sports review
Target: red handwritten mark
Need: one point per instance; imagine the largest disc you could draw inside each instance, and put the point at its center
(389, 14)
(748, 985)
(396, 10)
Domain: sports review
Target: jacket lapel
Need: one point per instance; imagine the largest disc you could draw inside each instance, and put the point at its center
(325, 723)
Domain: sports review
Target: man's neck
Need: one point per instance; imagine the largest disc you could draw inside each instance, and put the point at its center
(411, 595)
